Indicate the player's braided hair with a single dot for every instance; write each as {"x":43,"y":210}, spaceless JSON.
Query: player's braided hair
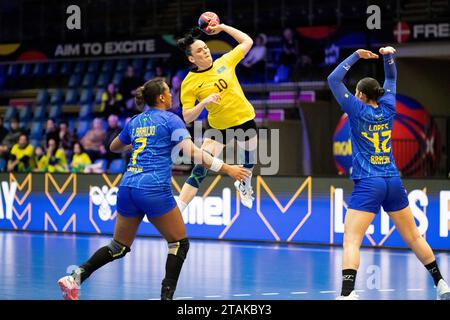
{"x":370,"y":87}
{"x":148,"y":93}
{"x":189,"y":38}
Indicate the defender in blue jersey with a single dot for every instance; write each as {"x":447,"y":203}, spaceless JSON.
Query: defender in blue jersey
{"x":371,"y":113}
{"x":145,"y":188}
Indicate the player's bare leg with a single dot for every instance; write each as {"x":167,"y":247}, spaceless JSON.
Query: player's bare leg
{"x":247,"y":153}
{"x":356,"y":225}
{"x":406,"y":226}
{"x":125,"y":231}
{"x":172,"y":228}
{"x":190,"y":187}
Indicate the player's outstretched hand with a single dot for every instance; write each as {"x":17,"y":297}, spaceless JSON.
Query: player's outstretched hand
{"x":366,"y":54}
{"x":387,"y":50}
{"x":239,"y":173}
{"x":215,"y":29}
{"x":212,"y":98}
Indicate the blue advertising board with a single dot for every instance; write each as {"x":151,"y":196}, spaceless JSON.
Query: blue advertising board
{"x":286,"y":209}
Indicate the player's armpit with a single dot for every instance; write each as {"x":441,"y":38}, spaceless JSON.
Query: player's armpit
{"x":118,"y":147}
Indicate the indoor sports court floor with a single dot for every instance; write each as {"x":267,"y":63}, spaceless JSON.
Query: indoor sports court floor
{"x":31,"y":263}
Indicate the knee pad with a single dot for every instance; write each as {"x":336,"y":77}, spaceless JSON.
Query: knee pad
{"x":179,"y":248}
{"x":117,"y":250}
{"x":197,"y":175}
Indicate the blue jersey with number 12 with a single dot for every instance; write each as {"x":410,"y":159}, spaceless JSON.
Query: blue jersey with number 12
{"x":152,"y":134}
{"x":370,"y":127}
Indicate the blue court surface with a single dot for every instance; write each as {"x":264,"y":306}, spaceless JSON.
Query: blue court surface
{"x":31,"y":264}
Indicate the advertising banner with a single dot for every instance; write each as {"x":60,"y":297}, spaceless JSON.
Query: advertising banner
{"x":286,"y":209}
{"x":73,"y":50}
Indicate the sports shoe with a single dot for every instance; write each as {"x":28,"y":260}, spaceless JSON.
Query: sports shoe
{"x":167,"y":292}
{"x":69,"y":287}
{"x":443,"y":291}
{"x":245,"y":192}
{"x":351,"y":296}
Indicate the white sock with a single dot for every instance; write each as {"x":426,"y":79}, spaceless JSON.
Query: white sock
{"x":181,"y":205}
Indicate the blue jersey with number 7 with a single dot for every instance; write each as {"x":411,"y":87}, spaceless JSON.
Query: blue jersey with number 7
{"x":370,"y":127}
{"x":152,"y":134}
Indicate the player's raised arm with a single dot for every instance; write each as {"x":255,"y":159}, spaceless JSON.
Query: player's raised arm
{"x":390,"y":70}
{"x":244,"y":39}
{"x":335,"y":79}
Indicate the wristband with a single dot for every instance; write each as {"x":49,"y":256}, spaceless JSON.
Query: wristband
{"x":216,"y":165}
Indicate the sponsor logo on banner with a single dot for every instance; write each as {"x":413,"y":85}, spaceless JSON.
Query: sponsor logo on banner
{"x":210,"y":211}
{"x":213,"y":210}
{"x":104,"y":198}
{"x":418,"y":202}
{"x":404,"y":32}
{"x":8,"y":192}
{"x":105,"y":48}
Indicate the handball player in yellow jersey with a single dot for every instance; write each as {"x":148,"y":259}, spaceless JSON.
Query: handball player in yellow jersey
{"x":214,"y":85}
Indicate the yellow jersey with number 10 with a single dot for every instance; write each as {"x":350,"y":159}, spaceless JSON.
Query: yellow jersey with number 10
{"x":234,"y":108}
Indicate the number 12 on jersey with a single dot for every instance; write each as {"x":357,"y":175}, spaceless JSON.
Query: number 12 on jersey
{"x":375,"y":139}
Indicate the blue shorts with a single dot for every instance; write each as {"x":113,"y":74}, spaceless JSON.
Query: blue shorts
{"x":370,"y":194}
{"x":134,"y":202}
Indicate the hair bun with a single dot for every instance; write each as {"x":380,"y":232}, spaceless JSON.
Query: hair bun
{"x":139,"y":98}
{"x":381,"y":91}
{"x":181,"y":43}
{"x":196,"y":32}
{"x":188,"y":39}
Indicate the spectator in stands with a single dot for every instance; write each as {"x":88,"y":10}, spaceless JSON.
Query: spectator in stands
{"x":40,"y":159}
{"x":21,"y":157}
{"x":112,"y":131}
{"x":10,"y":139}
{"x":254,"y":64}
{"x":93,"y":140}
{"x":80,"y":159}
{"x":51,"y":131}
{"x":128,"y":85}
{"x":289,"y":55}
{"x":161,"y":73}
{"x":175,"y":91}
{"x":3,"y":130}
{"x":56,"y":157}
{"x":127,"y":154}
{"x":112,"y":102}
{"x":66,"y":137}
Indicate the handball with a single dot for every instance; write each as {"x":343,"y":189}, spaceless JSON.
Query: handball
{"x":207,"y":20}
